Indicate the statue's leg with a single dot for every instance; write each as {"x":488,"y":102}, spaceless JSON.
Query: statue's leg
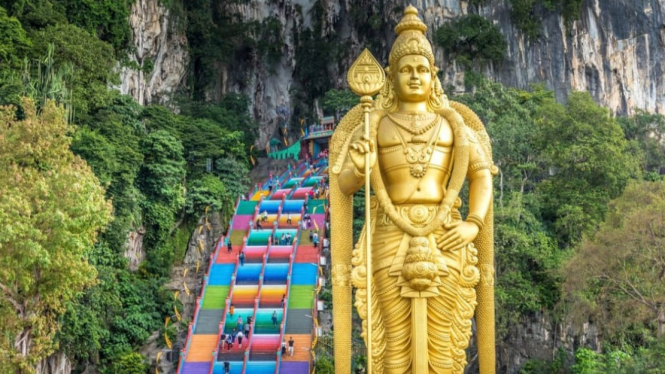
{"x":449,"y":319}
{"x":396,"y":312}
{"x":440,"y":311}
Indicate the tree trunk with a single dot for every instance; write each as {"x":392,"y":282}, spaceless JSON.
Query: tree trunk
{"x":661,"y":321}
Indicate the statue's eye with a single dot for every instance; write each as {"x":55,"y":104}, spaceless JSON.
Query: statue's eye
{"x":424,"y":70}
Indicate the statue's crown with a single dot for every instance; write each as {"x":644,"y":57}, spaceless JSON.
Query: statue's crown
{"x":411,"y":38}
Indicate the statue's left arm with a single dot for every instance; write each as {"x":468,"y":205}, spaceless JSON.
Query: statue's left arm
{"x":480,"y":182}
{"x":480,"y":198}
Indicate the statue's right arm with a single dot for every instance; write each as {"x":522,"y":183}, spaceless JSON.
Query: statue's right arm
{"x":352,"y":176}
{"x":350,"y":180}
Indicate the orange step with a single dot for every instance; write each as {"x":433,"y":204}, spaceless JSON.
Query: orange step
{"x":201,"y":347}
{"x":301,"y":347}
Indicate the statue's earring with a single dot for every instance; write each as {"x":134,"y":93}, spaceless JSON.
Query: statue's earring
{"x":438,"y":99}
{"x":387,"y":91}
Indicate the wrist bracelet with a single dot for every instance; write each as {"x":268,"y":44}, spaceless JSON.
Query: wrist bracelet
{"x":476,"y":220}
{"x":357,"y":173}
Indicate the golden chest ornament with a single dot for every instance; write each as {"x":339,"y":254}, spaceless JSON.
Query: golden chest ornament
{"x":418,"y":152}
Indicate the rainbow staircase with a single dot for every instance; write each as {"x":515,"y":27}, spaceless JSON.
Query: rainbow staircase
{"x":273,"y":270}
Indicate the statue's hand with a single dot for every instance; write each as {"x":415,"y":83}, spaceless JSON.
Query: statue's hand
{"x":357,"y":152}
{"x":461,"y":234}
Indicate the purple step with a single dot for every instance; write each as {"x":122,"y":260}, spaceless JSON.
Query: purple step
{"x":294,"y":367}
{"x":196,"y":368}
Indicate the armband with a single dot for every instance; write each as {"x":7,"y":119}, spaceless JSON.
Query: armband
{"x":357,"y":173}
{"x":476,"y":220}
{"x":480,"y":165}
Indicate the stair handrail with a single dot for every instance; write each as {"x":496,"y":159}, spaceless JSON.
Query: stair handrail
{"x":199,"y":302}
{"x":183,"y":352}
{"x":250,"y":342}
{"x":282,"y":330}
{"x":220,"y":328}
{"x":278,"y":360}
{"x":244,"y":362}
{"x":215,"y":351}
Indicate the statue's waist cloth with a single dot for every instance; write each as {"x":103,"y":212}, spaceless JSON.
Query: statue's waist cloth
{"x":450,"y":301}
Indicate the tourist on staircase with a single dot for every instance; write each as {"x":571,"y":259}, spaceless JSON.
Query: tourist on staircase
{"x":229,"y":342}
{"x":291,"y":342}
{"x":240,"y":336}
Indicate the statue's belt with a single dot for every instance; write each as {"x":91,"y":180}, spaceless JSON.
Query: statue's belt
{"x":418,"y":215}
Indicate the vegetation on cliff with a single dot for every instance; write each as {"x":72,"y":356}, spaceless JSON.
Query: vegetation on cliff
{"x":567,"y":225}
{"x":150,"y":162}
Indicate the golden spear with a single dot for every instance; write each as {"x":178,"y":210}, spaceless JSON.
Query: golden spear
{"x":366,"y":78}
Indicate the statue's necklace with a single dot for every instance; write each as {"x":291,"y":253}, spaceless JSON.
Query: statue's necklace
{"x":419,"y":153}
{"x":414,"y":124}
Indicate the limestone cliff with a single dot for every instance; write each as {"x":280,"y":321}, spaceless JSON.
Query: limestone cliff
{"x":614,"y":50}
{"x":158,"y":61}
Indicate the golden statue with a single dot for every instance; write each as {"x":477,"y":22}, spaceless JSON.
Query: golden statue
{"x":431,"y":270}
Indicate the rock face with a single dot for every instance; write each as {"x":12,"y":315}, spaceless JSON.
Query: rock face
{"x":57,"y":363}
{"x":159,"y":58}
{"x":614,"y":50}
{"x":134,"y":252}
{"x":536,"y":337}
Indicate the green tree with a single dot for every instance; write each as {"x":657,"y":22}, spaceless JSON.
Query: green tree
{"x":161,"y":180}
{"x":92,"y":62}
{"x":215,"y":33}
{"x":313,"y":53}
{"x":339,"y":102}
{"x":616,"y":277}
{"x":204,"y":192}
{"x":472,"y":38}
{"x":35,"y":14}
{"x":107,"y":19}
{"x":50,"y":211}
{"x":588,"y":162}
{"x":235,"y":178}
{"x":648,"y":130}
{"x":14,"y":44}
{"x":508,"y":115}
{"x":231,"y":113}
{"x":129,"y":363}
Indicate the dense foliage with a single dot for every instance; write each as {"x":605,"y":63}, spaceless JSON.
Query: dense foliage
{"x":526,"y":14}
{"x":564,"y":217}
{"x":51,"y":208}
{"x":616,"y":277}
{"x":471,"y":39}
{"x":560,"y":167}
{"x":150,"y":161}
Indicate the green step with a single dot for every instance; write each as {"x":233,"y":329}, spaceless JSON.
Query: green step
{"x":301,"y":297}
{"x":215,"y":296}
{"x":319,"y":204}
{"x":246,"y":207}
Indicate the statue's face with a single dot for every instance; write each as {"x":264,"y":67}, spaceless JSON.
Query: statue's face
{"x":413,"y":78}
